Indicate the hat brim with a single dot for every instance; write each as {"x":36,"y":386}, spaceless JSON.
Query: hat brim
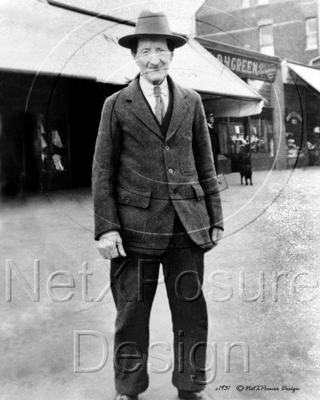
{"x":127,"y":41}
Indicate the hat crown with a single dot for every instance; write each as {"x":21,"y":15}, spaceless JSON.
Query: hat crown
{"x":152,"y":24}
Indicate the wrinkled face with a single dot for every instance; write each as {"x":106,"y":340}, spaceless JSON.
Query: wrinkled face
{"x":153,"y":58}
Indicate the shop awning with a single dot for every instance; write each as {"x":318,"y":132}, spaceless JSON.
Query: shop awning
{"x":309,"y":75}
{"x":40,"y":38}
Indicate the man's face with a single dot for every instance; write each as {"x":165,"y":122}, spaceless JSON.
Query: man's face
{"x":153,"y":58}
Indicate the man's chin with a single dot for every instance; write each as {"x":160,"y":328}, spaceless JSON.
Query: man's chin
{"x":155,"y":77}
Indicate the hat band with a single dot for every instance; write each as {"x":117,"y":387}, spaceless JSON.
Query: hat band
{"x":154,"y":29}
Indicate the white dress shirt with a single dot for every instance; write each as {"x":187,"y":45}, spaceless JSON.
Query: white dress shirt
{"x":147,"y":90}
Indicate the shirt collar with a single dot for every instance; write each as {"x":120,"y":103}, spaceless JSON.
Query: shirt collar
{"x":147,"y":87}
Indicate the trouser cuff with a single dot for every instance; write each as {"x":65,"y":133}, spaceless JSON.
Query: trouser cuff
{"x":131,"y":388}
{"x":194,"y":383}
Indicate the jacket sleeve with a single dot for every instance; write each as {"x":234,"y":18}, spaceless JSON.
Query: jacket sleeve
{"x":104,"y":171}
{"x":205,"y":166}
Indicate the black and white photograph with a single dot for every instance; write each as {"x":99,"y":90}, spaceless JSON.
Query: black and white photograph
{"x":160,"y":199}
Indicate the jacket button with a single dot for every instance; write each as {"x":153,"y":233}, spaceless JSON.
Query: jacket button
{"x":167,"y":147}
{"x":189,"y":137}
{"x":127,"y":200}
{"x":170,"y":170}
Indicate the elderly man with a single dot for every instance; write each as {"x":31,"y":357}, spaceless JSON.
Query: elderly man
{"x":156,"y":202}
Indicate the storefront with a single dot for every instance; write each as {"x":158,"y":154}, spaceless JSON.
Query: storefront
{"x":56,"y":79}
{"x":257,"y":135}
{"x":302,"y":95}
{"x":34,"y":136}
{"x":48,"y":128}
{"x":53,"y":85}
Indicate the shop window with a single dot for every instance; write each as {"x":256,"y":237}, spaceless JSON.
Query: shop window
{"x":54,"y":155}
{"x":313,"y":120}
{"x":238,"y":140}
{"x":237,"y":137}
{"x":312,"y":33}
{"x":261,"y":133}
{"x":52,"y":147}
{"x":266,"y":40}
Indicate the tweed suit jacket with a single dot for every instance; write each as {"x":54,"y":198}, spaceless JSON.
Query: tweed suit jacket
{"x":141,"y":179}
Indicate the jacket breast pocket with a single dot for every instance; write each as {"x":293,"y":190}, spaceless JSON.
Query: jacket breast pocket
{"x":132,"y":206}
{"x":187,"y":163}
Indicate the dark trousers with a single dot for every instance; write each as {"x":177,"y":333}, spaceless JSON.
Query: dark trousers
{"x":134,"y":284}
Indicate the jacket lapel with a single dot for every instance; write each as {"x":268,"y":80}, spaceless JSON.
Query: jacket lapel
{"x":180,"y":106}
{"x":142,"y":111}
{"x":140,"y":107}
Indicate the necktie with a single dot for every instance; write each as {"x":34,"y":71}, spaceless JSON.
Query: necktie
{"x":159,"y":110}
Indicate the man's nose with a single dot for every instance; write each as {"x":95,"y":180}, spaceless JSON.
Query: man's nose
{"x":154,"y":59}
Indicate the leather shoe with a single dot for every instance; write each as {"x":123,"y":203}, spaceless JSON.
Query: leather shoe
{"x":125,"y":397}
{"x":184,"y":395}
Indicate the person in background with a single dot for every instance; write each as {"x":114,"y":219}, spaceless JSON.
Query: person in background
{"x":214,"y":137}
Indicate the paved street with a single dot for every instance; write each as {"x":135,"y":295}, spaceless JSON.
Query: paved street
{"x":261,"y":284}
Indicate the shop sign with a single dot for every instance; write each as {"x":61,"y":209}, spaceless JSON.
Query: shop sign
{"x":247,"y":66}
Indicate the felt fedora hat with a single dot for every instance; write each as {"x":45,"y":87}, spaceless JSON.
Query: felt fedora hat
{"x":152,"y":24}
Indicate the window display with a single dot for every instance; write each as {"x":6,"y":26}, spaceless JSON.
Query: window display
{"x":261,"y":132}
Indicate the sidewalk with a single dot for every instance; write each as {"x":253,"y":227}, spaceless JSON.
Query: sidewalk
{"x":272,"y":228}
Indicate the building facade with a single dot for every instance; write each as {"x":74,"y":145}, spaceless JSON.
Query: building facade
{"x":287,"y":29}
{"x":259,"y":136}
{"x":277,"y":28}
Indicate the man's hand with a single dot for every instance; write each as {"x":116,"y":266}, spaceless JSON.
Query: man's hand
{"x":216,"y":235}
{"x":110,"y":245}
